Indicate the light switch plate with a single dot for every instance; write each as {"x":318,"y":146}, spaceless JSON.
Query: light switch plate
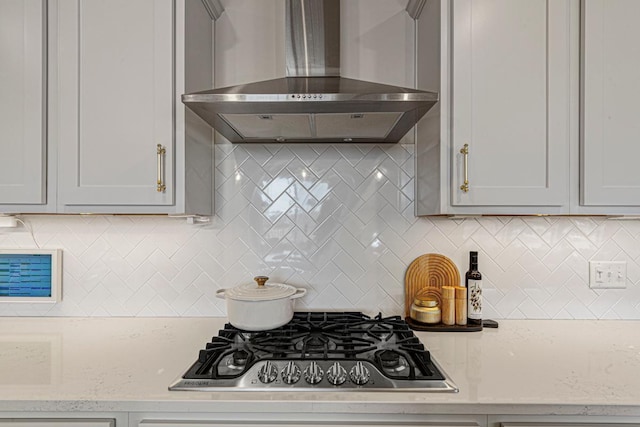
{"x":607,"y":274}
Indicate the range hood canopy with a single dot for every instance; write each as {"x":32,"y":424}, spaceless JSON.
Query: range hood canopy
{"x":313,"y":103}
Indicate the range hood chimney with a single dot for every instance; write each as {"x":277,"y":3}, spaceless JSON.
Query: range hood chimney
{"x":313,"y":103}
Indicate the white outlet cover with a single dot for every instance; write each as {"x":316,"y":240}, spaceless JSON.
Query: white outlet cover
{"x":607,"y":274}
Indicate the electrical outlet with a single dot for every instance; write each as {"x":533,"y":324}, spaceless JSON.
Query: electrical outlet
{"x":607,"y":274}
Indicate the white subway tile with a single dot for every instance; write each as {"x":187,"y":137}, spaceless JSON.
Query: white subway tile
{"x":338,"y":219}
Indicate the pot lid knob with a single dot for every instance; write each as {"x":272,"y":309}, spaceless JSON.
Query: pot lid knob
{"x":261,"y":280}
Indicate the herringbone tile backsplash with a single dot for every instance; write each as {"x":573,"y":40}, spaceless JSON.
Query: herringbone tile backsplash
{"x":337,"y":220}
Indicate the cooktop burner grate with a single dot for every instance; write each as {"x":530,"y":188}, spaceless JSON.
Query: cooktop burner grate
{"x":380,"y":352}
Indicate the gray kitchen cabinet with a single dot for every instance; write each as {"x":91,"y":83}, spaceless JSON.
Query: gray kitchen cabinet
{"x":91,"y":115}
{"x":23,"y":146}
{"x":249,"y":419}
{"x":34,"y":422}
{"x":510,"y":92}
{"x":499,"y":142}
{"x":125,"y":142}
{"x":115,"y":99}
{"x":63,"y":419}
{"x":548,"y":110}
{"x":561,"y":421}
{"x":303,"y":424}
{"x":561,"y":424}
{"x":610,"y":92}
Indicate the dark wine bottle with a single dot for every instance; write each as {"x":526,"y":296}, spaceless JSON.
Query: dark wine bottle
{"x":473,"y":282}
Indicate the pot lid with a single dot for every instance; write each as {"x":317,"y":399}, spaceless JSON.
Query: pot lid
{"x":423,"y":301}
{"x":260,"y":291}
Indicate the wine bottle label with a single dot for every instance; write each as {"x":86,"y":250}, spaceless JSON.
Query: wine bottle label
{"x":474,"y":298}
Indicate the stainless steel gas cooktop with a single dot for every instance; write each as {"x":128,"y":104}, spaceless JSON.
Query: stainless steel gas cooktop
{"x":318,"y":351}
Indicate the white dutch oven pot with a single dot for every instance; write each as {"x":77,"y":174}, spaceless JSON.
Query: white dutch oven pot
{"x":261,"y":306}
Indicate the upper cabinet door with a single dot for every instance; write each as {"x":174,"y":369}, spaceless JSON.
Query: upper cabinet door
{"x":22,"y":102}
{"x":511,"y":102}
{"x":115,"y":102}
{"x":610,"y":103}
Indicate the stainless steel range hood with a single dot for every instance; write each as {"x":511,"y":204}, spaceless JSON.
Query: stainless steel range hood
{"x":313,"y":103}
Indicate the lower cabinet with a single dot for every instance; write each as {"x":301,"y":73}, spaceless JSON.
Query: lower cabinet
{"x":561,"y":421}
{"x":560,"y":424}
{"x":241,"y":419}
{"x":338,"y":424}
{"x":63,"y":419}
{"x":303,"y":420}
{"x":35,"y":422}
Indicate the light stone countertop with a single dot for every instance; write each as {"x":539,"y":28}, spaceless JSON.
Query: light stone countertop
{"x":126,"y":364}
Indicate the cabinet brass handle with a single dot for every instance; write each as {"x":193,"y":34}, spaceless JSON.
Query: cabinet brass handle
{"x":465,"y":151}
{"x":161,"y":151}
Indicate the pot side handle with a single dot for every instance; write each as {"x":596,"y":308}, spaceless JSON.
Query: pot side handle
{"x":300,"y":292}
{"x":220,"y":293}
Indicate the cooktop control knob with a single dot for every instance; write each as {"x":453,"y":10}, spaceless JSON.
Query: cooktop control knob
{"x":291,"y":373}
{"x":336,"y":374}
{"x":313,"y":373}
{"x":268,"y":373}
{"x":359,"y":374}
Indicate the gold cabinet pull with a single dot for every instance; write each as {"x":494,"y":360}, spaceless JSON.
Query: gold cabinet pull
{"x":161,"y":151}
{"x":465,"y":151}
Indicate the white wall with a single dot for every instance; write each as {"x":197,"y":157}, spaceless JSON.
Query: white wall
{"x":338,"y":220}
